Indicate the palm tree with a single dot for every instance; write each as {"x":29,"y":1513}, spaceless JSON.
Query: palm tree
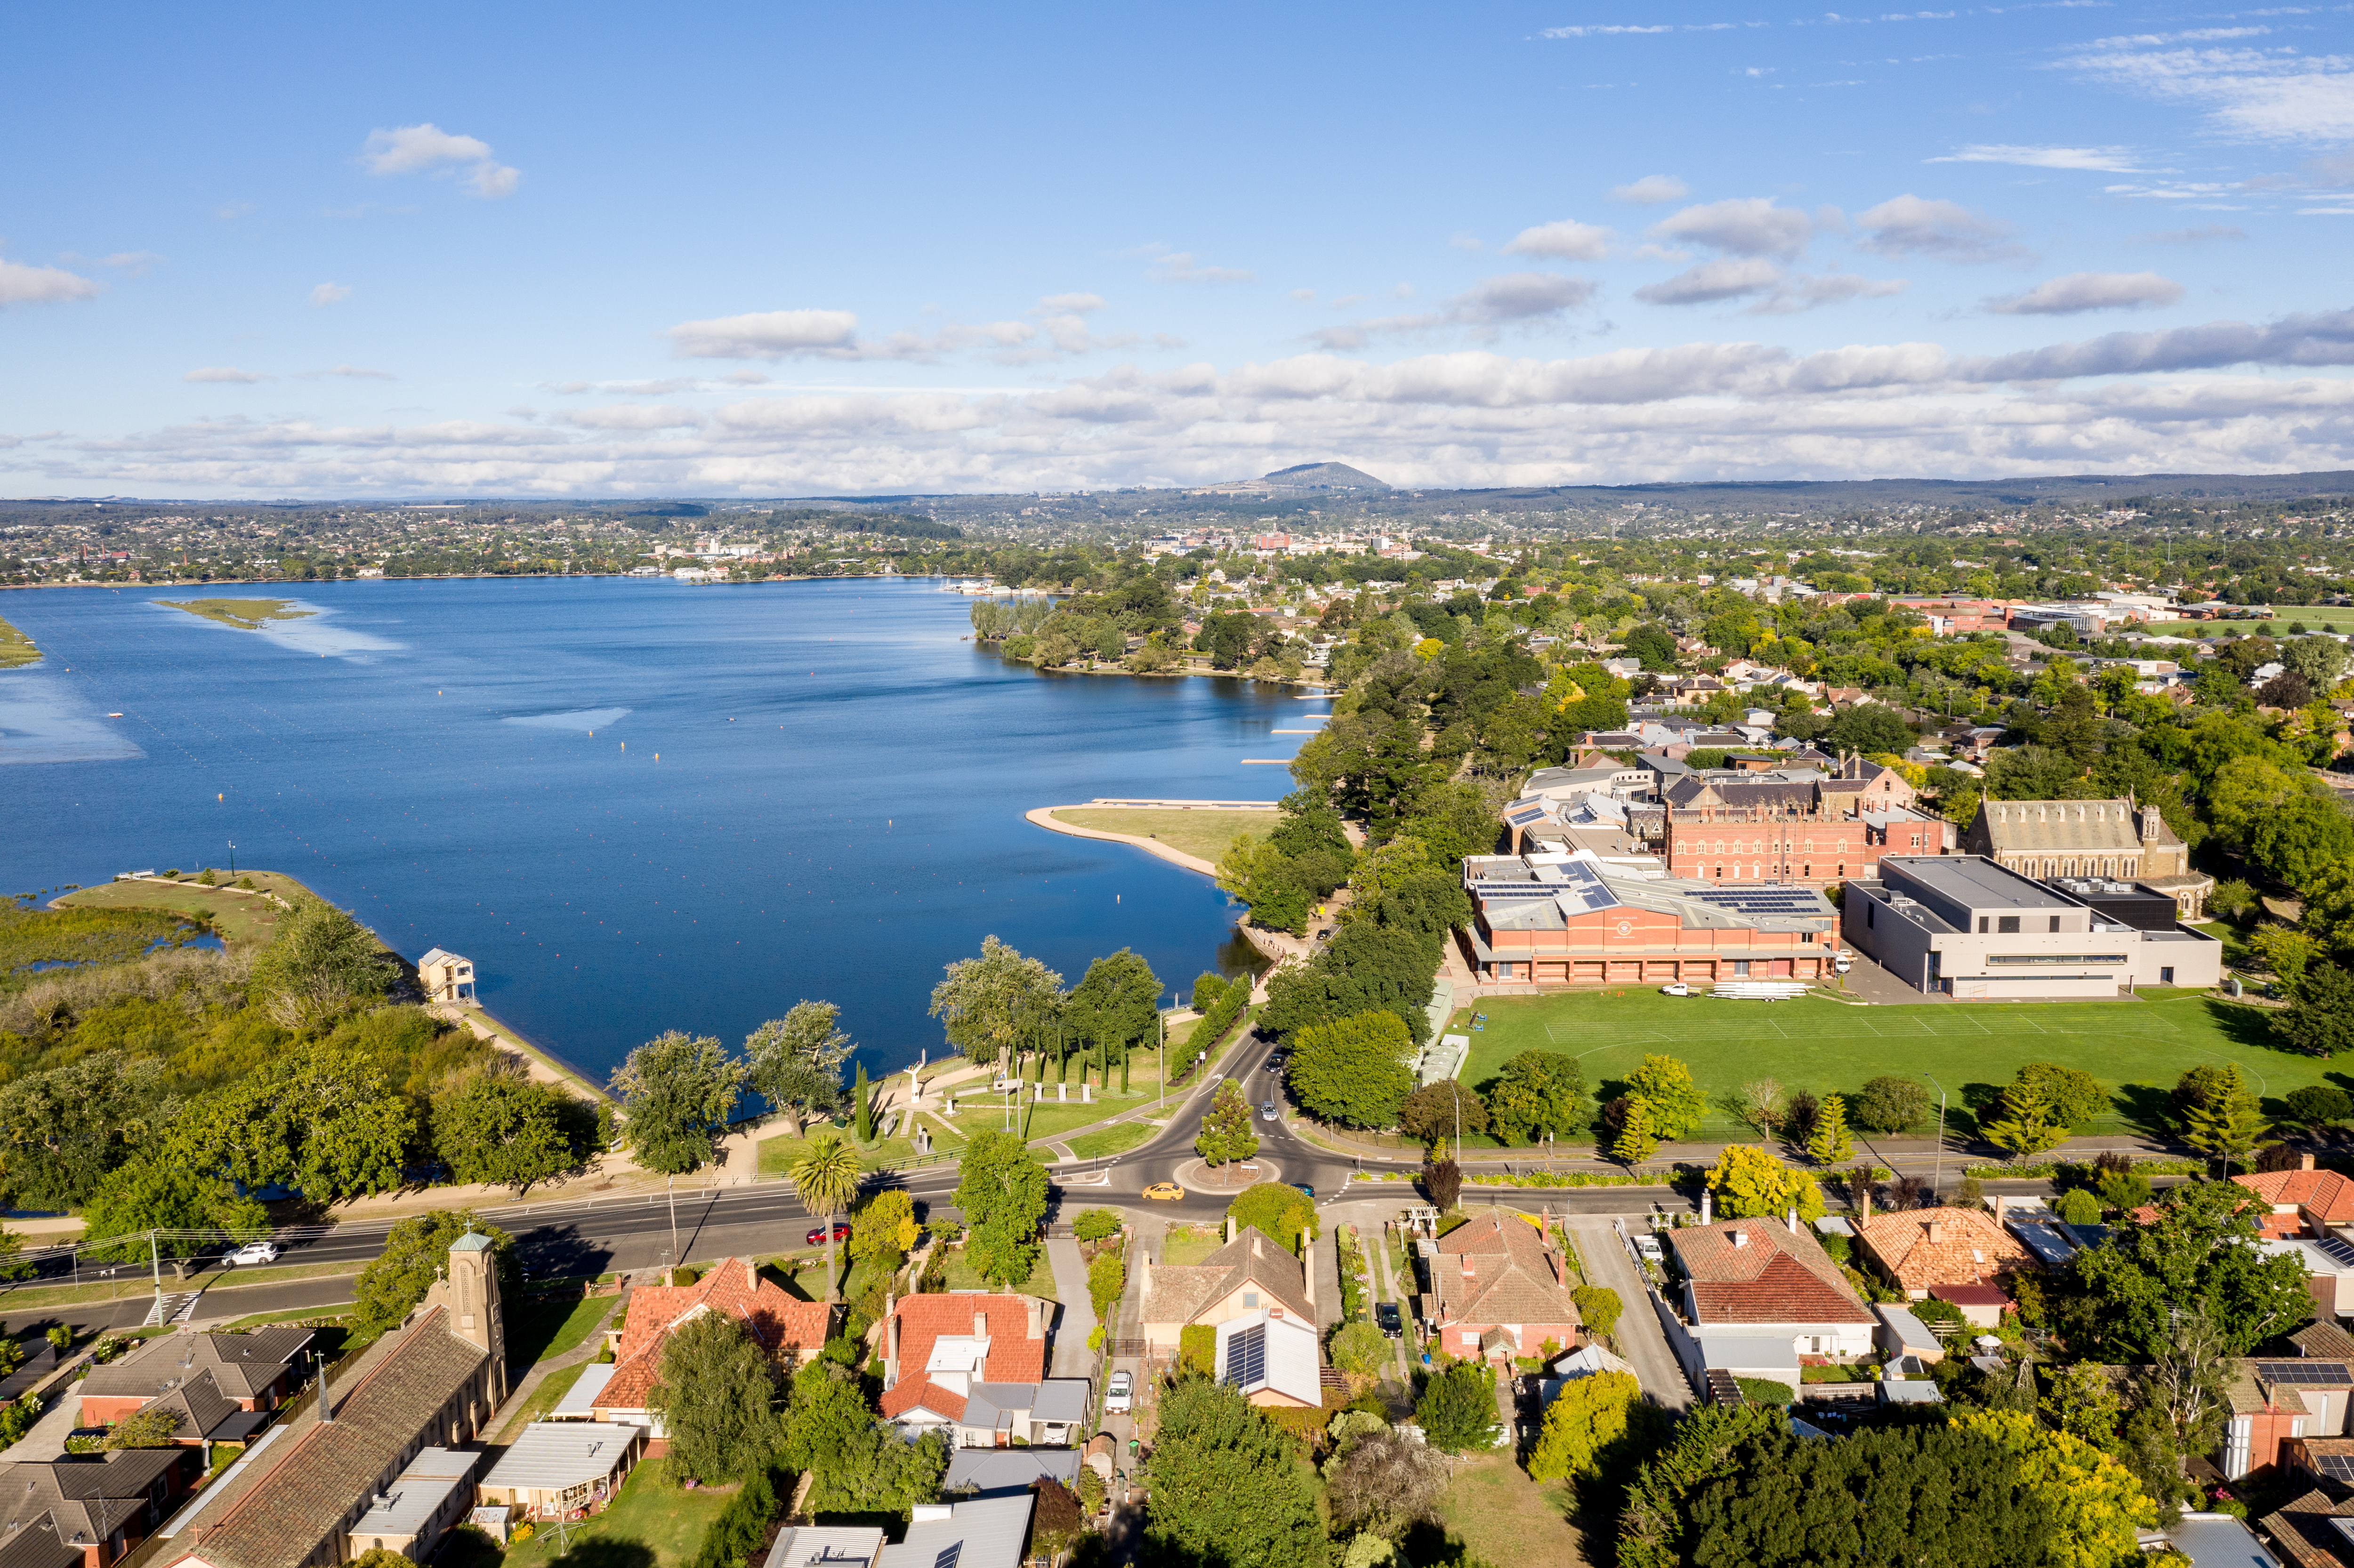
{"x":826,"y":1176}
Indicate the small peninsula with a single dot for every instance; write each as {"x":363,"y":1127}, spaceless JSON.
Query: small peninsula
{"x":245,"y":614}
{"x":15,"y":647}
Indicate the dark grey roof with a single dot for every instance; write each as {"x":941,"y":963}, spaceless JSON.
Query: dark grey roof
{"x":242,"y":1365}
{"x":1005,"y":1472}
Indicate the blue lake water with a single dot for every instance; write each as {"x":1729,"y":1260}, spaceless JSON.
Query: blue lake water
{"x":635,"y":805}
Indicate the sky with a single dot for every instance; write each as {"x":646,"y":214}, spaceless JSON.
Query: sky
{"x":532,"y":251}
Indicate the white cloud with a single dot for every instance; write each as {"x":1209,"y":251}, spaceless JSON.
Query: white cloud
{"x":1513,"y":298}
{"x":767,"y":335}
{"x":1749,"y":226}
{"x":1182,"y":267}
{"x":22,"y":285}
{"x":2198,"y":234}
{"x":330,"y":294}
{"x":2278,"y":94}
{"x":357,"y":373}
{"x":1910,"y":226}
{"x":2080,"y":292}
{"x":1808,"y":291}
{"x":1076,"y":304}
{"x":428,"y":149}
{"x":2106,"y":160}
{"x":1651,"y":190}
{"x":229,"y":373}
{"x":1566,"y":240}
{"x":1711,"y":282}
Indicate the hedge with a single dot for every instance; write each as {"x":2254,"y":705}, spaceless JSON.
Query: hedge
{"x":741,"y":1526}
{"x":1766,"y":1391}
{"x":1213,"y":1025}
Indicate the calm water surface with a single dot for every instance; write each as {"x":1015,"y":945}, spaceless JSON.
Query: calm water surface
{"x":635,"y":805}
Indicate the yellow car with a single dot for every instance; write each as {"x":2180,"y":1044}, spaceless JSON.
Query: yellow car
{"x":1164,"y":1191}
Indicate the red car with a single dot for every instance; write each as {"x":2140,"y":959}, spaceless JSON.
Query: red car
{"x":841,"y":1233}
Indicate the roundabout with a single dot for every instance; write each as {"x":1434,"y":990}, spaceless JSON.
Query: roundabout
{"x":1224,"y":1181}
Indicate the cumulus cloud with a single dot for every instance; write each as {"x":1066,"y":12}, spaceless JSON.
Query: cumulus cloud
{"x":229,"y":373}
{"x":768,"y":334}
{"x":24,"y":285}
{"x":1566,"y":240}
{"x":1808,"y":291}
{"x":1749,"y":226}
{"x":2080,"y":292}
{"x":1651,"y":190}
{"x":2317,"y":338}
{"x":1513,"y":298}
{"x":330,"y":294}
{"x":1056,"y":328}
{"x":2104,"y":160}
{"x":1711,"y":282}
{"x":1910,"y":226}
{"x":1183,"y":267}
{"x":428,"y":149}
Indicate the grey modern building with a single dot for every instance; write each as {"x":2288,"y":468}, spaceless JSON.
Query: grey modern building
{"x":1963,"y":927}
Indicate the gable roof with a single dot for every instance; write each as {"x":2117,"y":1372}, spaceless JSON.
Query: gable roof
{"x":241,"y":1365}
{"x":2302,"y":1531}
{"x":1970,"y":1248}
{"x":1774,"y":1275}
{"x":196,"y":1408}
{"x":777,"y":1322}
{"x":75,"y":1500}
{"x":1015,"y":1356}
{"x":1514,"y":1278}
{"x":2324,"y":1195}
{"x":1181,"y":1292}
{"x":2065,"y":826}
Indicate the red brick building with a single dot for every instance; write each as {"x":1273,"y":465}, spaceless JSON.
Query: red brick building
{"x":1806,"y":828}
{"x":785,"y":1326}
{"x":1500,"y":1289}
{"x":1554,"y":921}
{"x":227,"y":1371}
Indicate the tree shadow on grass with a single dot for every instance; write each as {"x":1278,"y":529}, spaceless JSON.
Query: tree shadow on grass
{"x":2245,"y":1025}
{"x":2146,"y":1108}
{"x":605,"y":1552}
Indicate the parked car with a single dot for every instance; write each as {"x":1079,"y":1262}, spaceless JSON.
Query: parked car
{"x":1676,"y":988}
{"x":1164,"y":1191}
{"x":1266,"y":1110}
{"x":252,"y":1252}
{"x":841,"y":1233}
{"x":1385,"y":1314}
{"x":1647,"y":1245}
{"x":1119,"y":1394}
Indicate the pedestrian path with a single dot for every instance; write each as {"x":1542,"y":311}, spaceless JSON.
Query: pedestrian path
{"x":177,"y":1307}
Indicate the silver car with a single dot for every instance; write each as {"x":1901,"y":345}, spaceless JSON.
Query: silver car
{"x":1266,"y":1111}
{"x":1119,"y":1394}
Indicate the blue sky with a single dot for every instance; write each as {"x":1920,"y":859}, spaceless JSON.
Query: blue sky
{"x":777,"y":250}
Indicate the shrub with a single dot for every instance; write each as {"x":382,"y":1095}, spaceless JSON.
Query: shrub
{"x":1891,"y":1104}
{"x":1598,"y":1307}
{"x":1359,"y":1348}
{"x":1107,"y":1279}
{"x":1197,"y":1349}
{"x":1933,"y":1310}
{"x":2078,"y":1207}
{"x":1766,"y":1391}
{"x":1096,"y":1224}
{"x":1458,"y":1408}
{"x":1588,"y":1415}
{"x":741,"y":1526}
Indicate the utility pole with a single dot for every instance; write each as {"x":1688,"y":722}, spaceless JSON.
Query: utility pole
{"x":670,"y":1186}
{"x":155,"y":1262}
{"x":1937,"y":1182}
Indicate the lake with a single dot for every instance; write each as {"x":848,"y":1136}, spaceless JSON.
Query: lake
{"x":636,"y":805}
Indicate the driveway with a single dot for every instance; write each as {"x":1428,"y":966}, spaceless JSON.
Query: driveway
{"x":1642,"y":1343}
{"x":1078,"y":1318}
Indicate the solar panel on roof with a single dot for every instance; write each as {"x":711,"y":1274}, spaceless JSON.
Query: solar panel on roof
{"x":2337,"y":1250}
{"x":2306,"y":1373}
{"x":2336,"y":1466}
{"x":1246,"y":1357}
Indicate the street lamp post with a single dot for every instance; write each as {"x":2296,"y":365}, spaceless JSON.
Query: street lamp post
{"x":1937,"y":1182}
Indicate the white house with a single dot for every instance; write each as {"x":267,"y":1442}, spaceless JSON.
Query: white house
{"x":1758,"y":1295}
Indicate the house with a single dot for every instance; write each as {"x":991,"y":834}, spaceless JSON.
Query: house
{"x":826,"y":1546}
{"x":555,"y":1466}
{"x":1793,"y":822}
{"x":1922,"y":1250}
{"x":2304,"y":1201}
{"x":979,"y":1533}
{"x":1565,"y":919}
{"x":1008,"y":1472}
{"x":1251,"y":1273}
{"x":2312,"y":1531}
{"x":446,"y":977}
{"x":1271,"y":1360}
{"x":86,"y":1510}
{"x":785,"y":1326}
{"x":251,"y":1371}
{"x":2111,"y":839}
{"x":969,"y":1363}
{"x":411,"y":1516}
{"x":2328,"y":1267}
{"x":431,"y":1382}
{"x":1500,"y":1289}
{"x":1963,"y":926}
{"x":1757,"y":1295}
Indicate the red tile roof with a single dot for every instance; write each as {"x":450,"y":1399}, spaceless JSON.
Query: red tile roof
{"x":1774,"y":1275}
{"x":1970,"y":1248}
{"x":1013,"y":1355}
{"x":2323,"y":1196}
{"x":1513,"y":1280}
{"x":781,"y":1322}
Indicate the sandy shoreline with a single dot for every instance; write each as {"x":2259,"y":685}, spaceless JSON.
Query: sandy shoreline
{"x":1043,"y":816}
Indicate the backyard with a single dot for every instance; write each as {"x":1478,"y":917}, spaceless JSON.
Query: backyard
{"x":1501,"y":1516}
{"x":653,"y":1524}
{"x":2136,"y":1049}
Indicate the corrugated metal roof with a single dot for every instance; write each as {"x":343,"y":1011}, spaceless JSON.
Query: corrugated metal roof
{"x":551,"y":1455}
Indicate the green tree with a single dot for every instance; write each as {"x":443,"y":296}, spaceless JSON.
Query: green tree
{"x":1097,"y":1224}
{"x":715,"y":1392}
{"x":1585,"y":1418}
{"x":320,"y":1118}
{"x":153,"y":1192}
{"x":2319,"y":1017}
{"x":1598,"y":1307}
{"x":417,"y":1253}
{"x":1117,"y":1006}
{"x":1284,"y":1213}
{"x":1655,"y":1527}
{"x":1636,"y":1141}
{"x":62,"y":1130}
{"x":794,"y":1063}
{"x":996,"y":1003}
{"x":1354,"y":1070}
{"x":1002,"y":1196}
{"x":1367,"y":966}
{"x":1830,"y":1143}
{"x":1456,"y":1409}
{"x":1381,"y":1484}
{"x":885,"y":1227}
{"x":825,"y":1173}
{"x":321,"y":962}
{"x":1226,"y":1133}
{"x":1258,"y":873}
{"x":1539,"y":1094}
{"x":678,"y":1092}
{"x":2026,"y":1128}
{"x":1750,"y":1184}
{"x":499,"y":1130}
{"x":2094,"y":1504}
{"x":1867,"y":727}
{"x":1359,"y":1349}
{"x":2118,"y":1301}
{"x":2071,"y":1098}
{"x":1889,"y":1104}
{"x":1676,"y":1107}
{"x":1107,"y":1279}
{"x":2218,"y":1112}
{"x":1442,"y":1109}
{"x":143,"y":1429}
{"x":2082,"y":1402}
{"x":1228,"y":1486}
{"x":2318,"y":1106}
{"x":2287,"y":951}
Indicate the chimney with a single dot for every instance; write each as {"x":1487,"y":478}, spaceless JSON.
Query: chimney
{"x":1866,"y":1188}
{"x":2305,"y":1162}
{"x":1936,"y":1231}
{"x":1230,"y":1227}
{"x":890,"y":1340}
{"x":1707,"y":1204}
{"x":1791,"y":1219}
{"x":326,"y":1407}
{"x":1470,"y":1270}
{"x":1739,"y":1238}
{"x":980,"y":1325}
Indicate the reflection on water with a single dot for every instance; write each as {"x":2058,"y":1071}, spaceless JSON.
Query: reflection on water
{"x":44,"y":720}
{"x":586,"y":720}
{"x":317,"y":632}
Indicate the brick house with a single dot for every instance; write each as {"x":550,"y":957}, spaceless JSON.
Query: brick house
{"x":87,"y":1510}
{"x":2304,"y":1201}
{"x":1759,"y":1294}
{"x":965,"y":1362}
{"x":785,"y":1326}
{"x":1928,"y":1251}
{"x":1500,"y":1288}
{"x":1251,"y":1273}
{"x":216,"y":1372}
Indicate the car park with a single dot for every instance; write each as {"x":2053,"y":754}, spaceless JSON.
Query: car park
{"x":1164,"y":1191}
{"x":816,"y":1237}
{"x":252,"y":1252}
{"x":1119,"y":1394}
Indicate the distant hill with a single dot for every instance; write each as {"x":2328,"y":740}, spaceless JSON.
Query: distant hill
{"x":1322,"y":476}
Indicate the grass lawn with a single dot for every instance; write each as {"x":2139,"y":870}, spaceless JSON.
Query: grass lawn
{"x":960,"y":1276}
{"x":2136,"y":1049}
{"x":244,"y":921}
{"x":245,"y":614}
{"x":653,"y":1514}
{"x":1500,"y":1515}
{"x":1111,"y":1140}
{"x":778,"y":1153}
{"x":552,"y":1388}
{"x":15,"y":647}
{"x":1190,"y":1244}
{"x":1205,"y":835}
{"x":552,"y":1324}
